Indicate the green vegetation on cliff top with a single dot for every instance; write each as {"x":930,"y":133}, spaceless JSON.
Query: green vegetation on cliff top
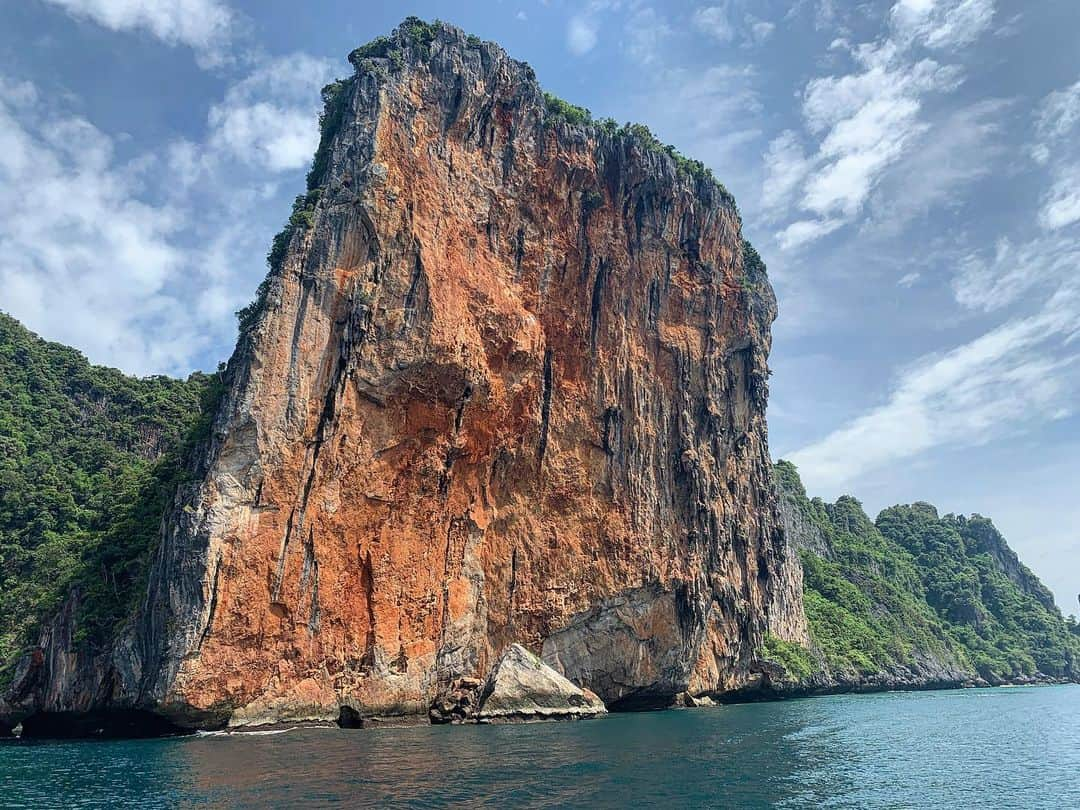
{"x":915,"y":587}
{"x":417,"y":35}
{"x":88,"y":460}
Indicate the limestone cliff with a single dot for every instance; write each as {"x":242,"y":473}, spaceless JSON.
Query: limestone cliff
{"x":506,"y":383}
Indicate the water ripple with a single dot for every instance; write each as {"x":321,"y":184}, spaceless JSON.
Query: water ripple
{"x":1017,"y":748}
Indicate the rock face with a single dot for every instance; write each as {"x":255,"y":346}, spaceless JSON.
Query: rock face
{"x":508,"y":384}
{"x":522,"y":687}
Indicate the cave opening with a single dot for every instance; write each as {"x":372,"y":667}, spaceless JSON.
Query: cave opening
{"x":104,"y":725}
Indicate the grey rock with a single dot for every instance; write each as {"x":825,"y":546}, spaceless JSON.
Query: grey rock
{"x":522,"y":687}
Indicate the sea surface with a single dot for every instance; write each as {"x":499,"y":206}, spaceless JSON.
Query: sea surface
{"x":1001,"y":748}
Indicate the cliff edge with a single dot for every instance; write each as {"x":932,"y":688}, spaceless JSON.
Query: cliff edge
{"x":505,"y":383}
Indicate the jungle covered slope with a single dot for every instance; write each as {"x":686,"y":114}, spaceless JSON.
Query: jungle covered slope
{"x":913,"y":600}
{"x":88,"y":456}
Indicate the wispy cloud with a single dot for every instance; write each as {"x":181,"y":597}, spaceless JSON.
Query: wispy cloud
{"x":268,"y":118}
{"x":1013,"y":377}
{"x":962,"y":147}
{"x":991,"y":281}
{"x":761,"y":30}
{"x":1057,"y":129}
{"x":1061,"y":203}
{"x":731,"y":20}
{"x":583,"y":28}
{"x":1009,"y":379}
{"x":715,"y":21}
{"x":786,"y":167}
{"x":206,"y":26}
{"x":806,"y":230}
{"x":85,"y":260}
{"x":866,"y":120}
{"x":646,"y":31}
{"x":1058,"y":116}
{"x":942,"y":23}
{"x":581,"y":34}
{"x":141,"y":261}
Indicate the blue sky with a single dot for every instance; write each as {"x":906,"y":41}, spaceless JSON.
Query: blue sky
{"x":909,"y":170}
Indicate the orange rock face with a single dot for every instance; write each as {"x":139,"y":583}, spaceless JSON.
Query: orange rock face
{"x":509,"y":386}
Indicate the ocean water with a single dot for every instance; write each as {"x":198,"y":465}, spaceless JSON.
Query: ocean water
{"x":1000,"y":748}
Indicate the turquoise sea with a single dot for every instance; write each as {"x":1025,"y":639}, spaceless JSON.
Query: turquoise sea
{"x":1000,"y":748}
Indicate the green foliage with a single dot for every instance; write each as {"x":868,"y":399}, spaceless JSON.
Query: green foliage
{"x":301,"y":219}
{"x":420,"y":34}
{"x":794,"y":658}
{"x":913,"y":586}
{"x":754,"y":267}
{"x":592,"y":200}
{"x":334,"y":96}
{"x":564,"y":111}
{"x":995,"y":607}
{"x":864,"y":600}
{"x":788,"y":480}
{"x":608,"y":126}
{"x":378,"y":48}
{"x":413,"y":32}
{"x":560,"y":111}
{"x":684,"y":165}
{"x":87,"y":461}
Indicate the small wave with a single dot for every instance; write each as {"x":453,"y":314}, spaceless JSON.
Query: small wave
{"x":246,"y":733}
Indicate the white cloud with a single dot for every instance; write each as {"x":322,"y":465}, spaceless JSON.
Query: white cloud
{"x":206,"y":26}
{"x":726,"y":89}
{"x":942,"y":23}
{"x":1061,"y":203}
{"x":786,"y":166}
{"x":761,"y":30}
{"x":270,"y":118}
{"x":825,"y":14}
{"x":959,"y":149}
{"x":1010,"y":379}
{"x":1056,"y":125}
{"x":581,"y":34}
{"x":807,"y":230}
{"x":724,"y":102}
{"x":992,"y":282}
{"x":83,"y":259}
{"x":1007,"y":380}
{"x":866,"y":120}
{"x":725,"y":21}
{"x":1059,"y":113}
{"x":140,"y":262}
{"x":262,"y":133}
{"x":645,"y":33}
{"x":908,"y":280}
{"x":715,"y":21}
{"x":855,"y":153}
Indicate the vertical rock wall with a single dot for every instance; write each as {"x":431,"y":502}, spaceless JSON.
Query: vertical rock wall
{"x":509,"y":386}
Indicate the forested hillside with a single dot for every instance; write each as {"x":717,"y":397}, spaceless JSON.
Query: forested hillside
{"x":915,"y":600}
{"x":88,"y":457}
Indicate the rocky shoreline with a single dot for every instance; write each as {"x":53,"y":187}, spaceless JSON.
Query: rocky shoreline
{"x":521,"y":689}
{"x":822,"y":686}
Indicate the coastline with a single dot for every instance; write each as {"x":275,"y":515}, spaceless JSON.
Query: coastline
{"x":756,"y":694}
